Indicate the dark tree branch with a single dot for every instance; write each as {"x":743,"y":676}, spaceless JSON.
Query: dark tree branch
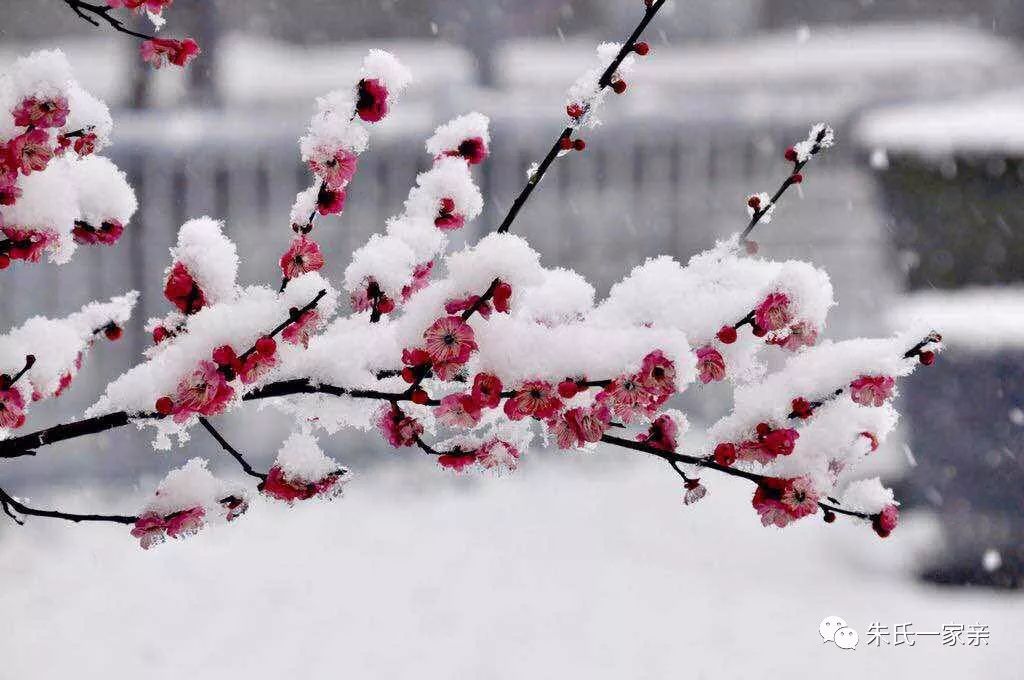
{"x":103,"y":12}
{"x":675,"y":459}
{"x":603,"y":82}
{"x":248,"y":469}
{"x":10,"y":503}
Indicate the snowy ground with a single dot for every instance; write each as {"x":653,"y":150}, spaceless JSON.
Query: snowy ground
{"x":570,"y":569}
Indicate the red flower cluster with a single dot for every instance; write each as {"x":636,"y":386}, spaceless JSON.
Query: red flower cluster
{"x":25,"y":244}
{"x":870,"y":390}
{"x":183,"y":290}
{"x":643,"y":393}
{"x":278,"y":485}
{"x":152,"y":529}
{"x":781,"y":501}
{"x":767,"y":445}
{"x":107,"y":234}
{"x":299,"y":331}
{"x":335,"y":167}
{"x":398,"y":429}
{"x":250,"y":369}
{"x":372,"y":100}
{"x":162,"y":51}
{"x":579,"y":426}
{"x":205,"y":391}
{"x":447,"y":219}
{"x":12,"y":408}
{"x":473,"y":150}
{"x":494,"y":454}
{"x":662,"y":434}
{"x":465,"y":410}
{"x":448,"y":344}
{"x":710,"y":365}
{"x":42,"y":113}
{"x":501,"y":298}
{"x":152,"y":6}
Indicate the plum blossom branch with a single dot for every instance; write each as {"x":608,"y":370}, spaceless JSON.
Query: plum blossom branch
{"x":102,"y":12}
{"x":560,"y":143}
{"x":803,"y":408}
{"x":800,"y":154}
{"x":708,"y":463}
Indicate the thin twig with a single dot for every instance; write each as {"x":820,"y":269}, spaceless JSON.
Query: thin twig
{"x":677,"y":458}
{"x":9,"y":502}
{"x":84,"y":9}
{"x":763,"y":210}
{"x":248,"y":469}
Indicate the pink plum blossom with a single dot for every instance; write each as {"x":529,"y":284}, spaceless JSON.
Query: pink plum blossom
{"x":872,"y":390}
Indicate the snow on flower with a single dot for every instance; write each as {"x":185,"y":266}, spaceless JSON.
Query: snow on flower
{"x":585,"y":97}
{"x":184,"y":502}
{"x":467,"y":137}
{"x":335,"y":167}
{"x":302,"y":471}
{"x":820,"y":137}
{"x":664,"y":432}
{"x":205,"y":391}
{"x":773,"y":313}
{"x":498,"y":455}
{"x":383,"y":78}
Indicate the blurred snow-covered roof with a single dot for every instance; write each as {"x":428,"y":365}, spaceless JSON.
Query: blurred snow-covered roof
{"x":978,"y":318}
{"x":875,"y":53}
{"x":829,"y":71}
{"x":975,"y":124}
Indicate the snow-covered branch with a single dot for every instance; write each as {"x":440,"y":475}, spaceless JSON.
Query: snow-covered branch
{"x":471,"y":357}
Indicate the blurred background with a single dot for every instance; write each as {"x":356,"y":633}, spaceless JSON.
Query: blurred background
{"x":916,"y":212}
